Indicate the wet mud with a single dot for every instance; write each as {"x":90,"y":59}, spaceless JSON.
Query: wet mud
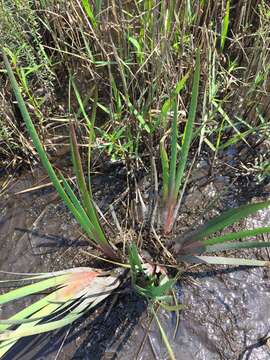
{"x":226,"y":313}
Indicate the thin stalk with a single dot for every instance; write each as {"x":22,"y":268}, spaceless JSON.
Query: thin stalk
{"x":176,"y":174}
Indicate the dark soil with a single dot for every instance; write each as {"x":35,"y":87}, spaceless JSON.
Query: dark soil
{"x":227,"y":310}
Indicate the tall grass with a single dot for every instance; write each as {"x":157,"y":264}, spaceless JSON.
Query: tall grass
{"x":138,"y":52}
{"x":135,"y":60}
{"x":84,"y":211}
{"x":172,"y":172}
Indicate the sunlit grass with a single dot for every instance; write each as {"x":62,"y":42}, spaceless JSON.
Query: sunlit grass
{"x":173,"y":169}
{"x":82,"y":209}
{"x":141,"y":57}
{"x":191,"y":247}
{"x":72,"y":293}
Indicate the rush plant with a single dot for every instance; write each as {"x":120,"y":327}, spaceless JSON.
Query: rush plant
{"x":191,"y":247}
{"x":203,"y":240}
{"x":73,"y":292}
{"x":173,"y":169}
{"x":82,"y":208}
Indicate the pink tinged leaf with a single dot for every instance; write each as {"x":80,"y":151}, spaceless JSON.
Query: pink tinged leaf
{"x":89,"y":285}
{"x":169,"y":217}
{"x":75,"y":284}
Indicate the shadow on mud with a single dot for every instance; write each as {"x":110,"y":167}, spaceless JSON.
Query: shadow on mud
{"x":93,"y":337}
{"x":53,"y":241}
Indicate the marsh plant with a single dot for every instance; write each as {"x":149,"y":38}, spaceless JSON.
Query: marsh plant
{"x":71,"y":293}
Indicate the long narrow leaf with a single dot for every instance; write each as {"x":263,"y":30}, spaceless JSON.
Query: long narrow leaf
{"x":88,"y":205}
{"x":42,"y":154}
{"x":219,"y":260}
{"x":91,"y":138}
{"x":89,"y":12}
{"x":31,"y":289}
{"x":237,"y":235}
{"x":238,"y":245}
{"x":164,"y":338}
{"x":189,"y":125}
{"x":81,"y":105}
{"x":84,"y":220}
{"x":173,"y":157}
{"x":168,"y":103}
{"x":137,"y":46}
{"x":86,"y":200}
{"x":165,"y":170}
{"x":225,"y":25}
{"x":38,"y":329}
{"x":7,"y":342}
{"x":220,"y":222}
{"x":78,"y":290}
{"x":34,"y":136}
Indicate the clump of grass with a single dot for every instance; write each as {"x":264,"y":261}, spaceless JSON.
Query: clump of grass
{"x":84,"y":210}
{"x":136,"y":54}
{"x":77,"y":290}
{"x":198,"y":242}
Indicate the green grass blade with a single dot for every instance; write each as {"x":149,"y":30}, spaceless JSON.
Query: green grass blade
{"x":238,"y":245}
{"x":225,"y":25}
{"x":81,"y":105}
{"x":158,"y":291}
{"x":77,"y":164}
{"x":87,"y":202}
{"x":237,"y":235}
{"x":91,"y":138}
{"x":138,"y":116}
{"x":90,"y":297}
{"x":60,"y":304}
{"x":89,"y":12}
{"x":41,"y":152}
{"x":171,"y":308}
{"x":173,"y":157}
{"x":137,"y":46}
{"x":165,"y":170}
{"x":219,"y":260}
{"x":28,"y":311}
{"x":134,"y":261}
{"x":226,"y":118}
{"x":39,"y":329}
{"x":85,"y":196}
{"x":82,"y":217}
{"x":28,"y":329}
{"x":73,"y":197}
{"x":189,"y":125}
{"x":176,"y":173}
{"x":227,"y":218}
{"x":216,"y":243}
{"x":164,"y":337}
{"x":32,"y":131}
{"x":7,"y":343}
{"x":168,"y":103}
{"x":32,"y":288}
{"x":21,"y":321}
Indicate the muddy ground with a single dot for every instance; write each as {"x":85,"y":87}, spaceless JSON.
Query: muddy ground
{"x":227,"y":310}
